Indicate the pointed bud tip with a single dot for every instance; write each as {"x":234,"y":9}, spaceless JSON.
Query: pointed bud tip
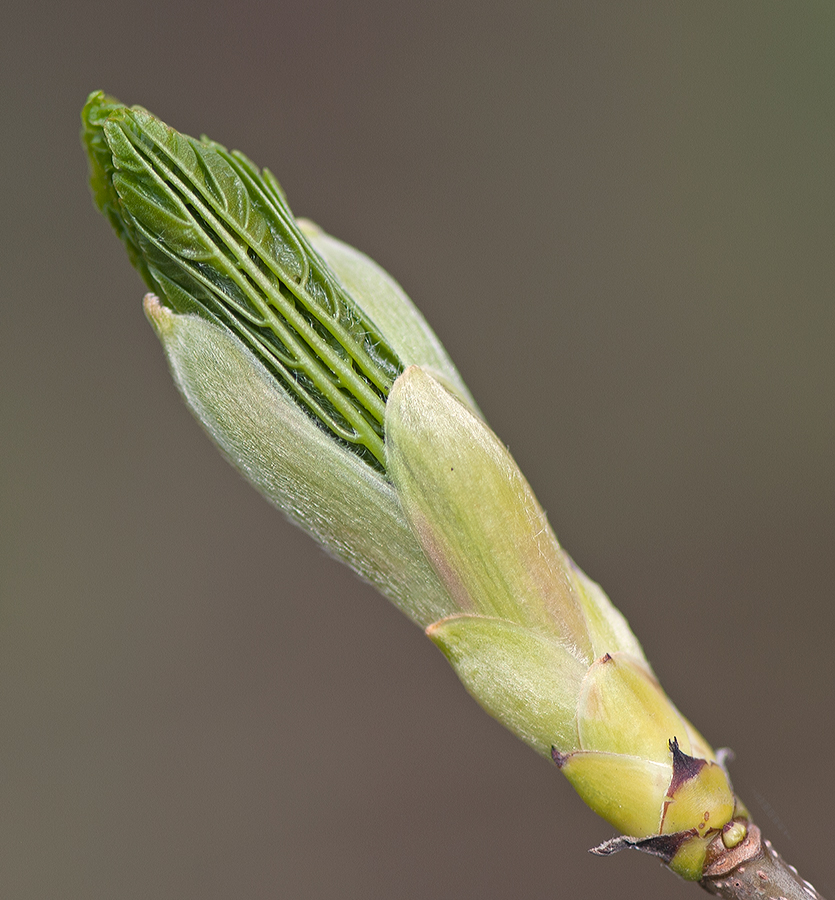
{"x":158,"y":315}
{"x":309,"y":228}
{"x":410,"y":377}
{"x":685,"y":767}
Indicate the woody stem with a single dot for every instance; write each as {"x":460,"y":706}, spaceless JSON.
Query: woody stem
{"x":756,"y":871}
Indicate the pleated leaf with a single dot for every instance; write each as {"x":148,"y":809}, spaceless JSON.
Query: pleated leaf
{"x":211,"y":234}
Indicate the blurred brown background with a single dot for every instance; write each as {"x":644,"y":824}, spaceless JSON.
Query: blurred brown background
{"x":619,"y":217}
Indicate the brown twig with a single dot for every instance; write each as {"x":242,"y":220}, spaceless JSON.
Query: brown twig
{"x":755,"y":871}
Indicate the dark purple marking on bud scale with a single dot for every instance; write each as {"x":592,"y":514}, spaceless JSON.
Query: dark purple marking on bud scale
{"x":559,"y":758}
{"x":684,"y":767}
{"x":664,"y":846}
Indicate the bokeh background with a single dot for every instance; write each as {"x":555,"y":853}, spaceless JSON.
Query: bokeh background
{"x":619,"y":217}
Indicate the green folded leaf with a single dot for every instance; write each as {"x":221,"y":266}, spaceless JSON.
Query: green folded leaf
{"x":384,"y":301}
{"x":213,"y":235}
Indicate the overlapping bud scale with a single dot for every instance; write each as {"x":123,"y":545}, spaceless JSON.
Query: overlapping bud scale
{"x":537,"y":643}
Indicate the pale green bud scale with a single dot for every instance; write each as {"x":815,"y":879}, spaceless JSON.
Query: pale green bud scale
{"x":627,"y":791}
{"x":704,"y":802}
{"x":322,"y":486}
{"x":475,"y":515}
{"x":527,"y":650}
{"x":521,"y":677}
{"x":622,"y":709}
{"x":608,"y":629}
